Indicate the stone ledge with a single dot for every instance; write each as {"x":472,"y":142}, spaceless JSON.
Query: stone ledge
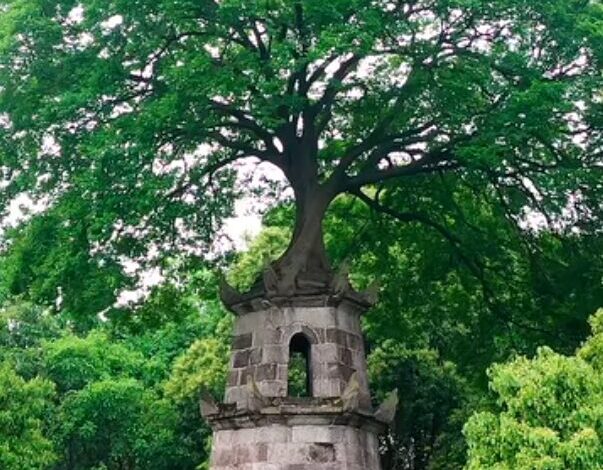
{"x":257,"y":301}
{"x":295,"y":412}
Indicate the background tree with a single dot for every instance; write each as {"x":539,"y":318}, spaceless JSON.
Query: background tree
{"x":102,"y":399}
{"x":548,"y":412}
{"x":138,"y":109}
{"x":25,"y":439}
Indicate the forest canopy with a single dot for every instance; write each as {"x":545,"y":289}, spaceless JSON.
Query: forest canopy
{"x":446,"y":152}
{"x":138,"y":109}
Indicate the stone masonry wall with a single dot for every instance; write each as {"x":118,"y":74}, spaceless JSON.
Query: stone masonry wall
{"x":260,"y":348}
{"x":304,"y":447}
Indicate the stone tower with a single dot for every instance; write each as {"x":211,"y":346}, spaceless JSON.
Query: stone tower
{"x":260,"y":425}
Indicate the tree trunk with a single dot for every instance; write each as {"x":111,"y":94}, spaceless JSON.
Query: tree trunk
{"x":305,"y":264}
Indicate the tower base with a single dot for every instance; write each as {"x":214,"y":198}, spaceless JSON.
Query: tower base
{"x":315,"y":435}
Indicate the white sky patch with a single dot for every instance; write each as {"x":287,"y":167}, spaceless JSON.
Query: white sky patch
{"x":111,"y":23}
{"x":5,"y":121}
{"x":21,"y":209}
{"x":75,"y":15}
{"x":50,"y":146}
{"x":237,"y":231}
{"x":151,"y":278}
{"x":245,"y":225}
{"x":104,"y":53}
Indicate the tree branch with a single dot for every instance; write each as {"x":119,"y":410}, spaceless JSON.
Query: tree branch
{"x":475,"y":266}
{"x":435,"y":161}
{"x":246,"y":122}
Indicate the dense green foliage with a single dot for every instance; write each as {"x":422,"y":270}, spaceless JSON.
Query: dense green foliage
{"x":106,"y":399}
{"x":23,"y":436}
{"x":440,"y":130}
{"x":548,"y":414}
{"x":433,"y":336}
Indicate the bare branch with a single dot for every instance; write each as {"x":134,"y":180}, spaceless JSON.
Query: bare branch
{"x":435,"y":161}
{"x":325,"y":103}
{"x":246,"y":122}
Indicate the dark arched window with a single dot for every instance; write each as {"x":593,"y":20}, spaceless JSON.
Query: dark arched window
{"x":299,"y":377}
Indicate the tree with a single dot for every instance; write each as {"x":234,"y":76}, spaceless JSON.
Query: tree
{"x":24,"y":434}
{"x":141,"y":108}
{"x":51,"y":262}
{"x":72,"y":362}
{"x":119,"y":368}
{"x":118,"y":424}
{"x":548,"y":411}
{"x":431,"y":411}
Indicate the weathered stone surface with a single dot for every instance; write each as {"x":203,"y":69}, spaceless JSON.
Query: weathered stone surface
{"x":242,"y":341}
{"x":241,"y":358}
{"x":335,"y":337}
{"x":265,"y":372}
{"x":287,"y":433}
{"x":307,"y":447}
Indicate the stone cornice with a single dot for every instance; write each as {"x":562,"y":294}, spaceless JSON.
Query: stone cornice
{"x":295,"y":412}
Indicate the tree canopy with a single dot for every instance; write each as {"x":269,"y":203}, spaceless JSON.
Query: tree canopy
{"x":138,"y":109}
{"x":548,"y":412}
{"x":455,"y":143}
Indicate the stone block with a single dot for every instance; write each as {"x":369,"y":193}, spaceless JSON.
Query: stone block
{"x":323,"y":353}
{"x":271,"y":434}
{"x":326,"y":388}
{"x":345,"y":356}
{"x":273,"y":388}
{"x":248,"y":323}
{"x":340,"y":371}
{"x":337,"y":336}
{"x":255,"y":356}
{"x":316,"y":317}
{"x":243,"y":341}
{"x":236,"y":395}
{"x":286,"y":452}
{"x":275,"y":354}
{"x":233,"y":378}
{"x":241,"y":358}
{"x":317,"y":434}
{"x":243,"y":454}
{"x":321,"y":334}
{"x":321,"y":452}
{"x":248,"y":371}
{"x":282,"y":372}
{"x":271,"y":335}
{"x":354,"y":341}
{"x":348,"y":321}
{"x":265,"y":372}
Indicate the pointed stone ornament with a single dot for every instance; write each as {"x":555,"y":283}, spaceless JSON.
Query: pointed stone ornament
{"x":271,"y":280}
{"x":350,"y":398}
{"x":387,"y":410}
{"x":371,"y":293}
{"x":207,"y":405}
{"x":228,"y":294}
{"x":341,"y":283}
{"x":255,"y":400}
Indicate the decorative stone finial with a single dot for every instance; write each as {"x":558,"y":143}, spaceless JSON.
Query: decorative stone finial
{"x":307,"y":289}
{"x":387,"y":410}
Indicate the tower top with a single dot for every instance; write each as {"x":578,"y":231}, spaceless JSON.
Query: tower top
{"x":310,"y":291}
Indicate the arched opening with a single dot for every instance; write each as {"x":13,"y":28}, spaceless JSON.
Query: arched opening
{"x":299,"y":380}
